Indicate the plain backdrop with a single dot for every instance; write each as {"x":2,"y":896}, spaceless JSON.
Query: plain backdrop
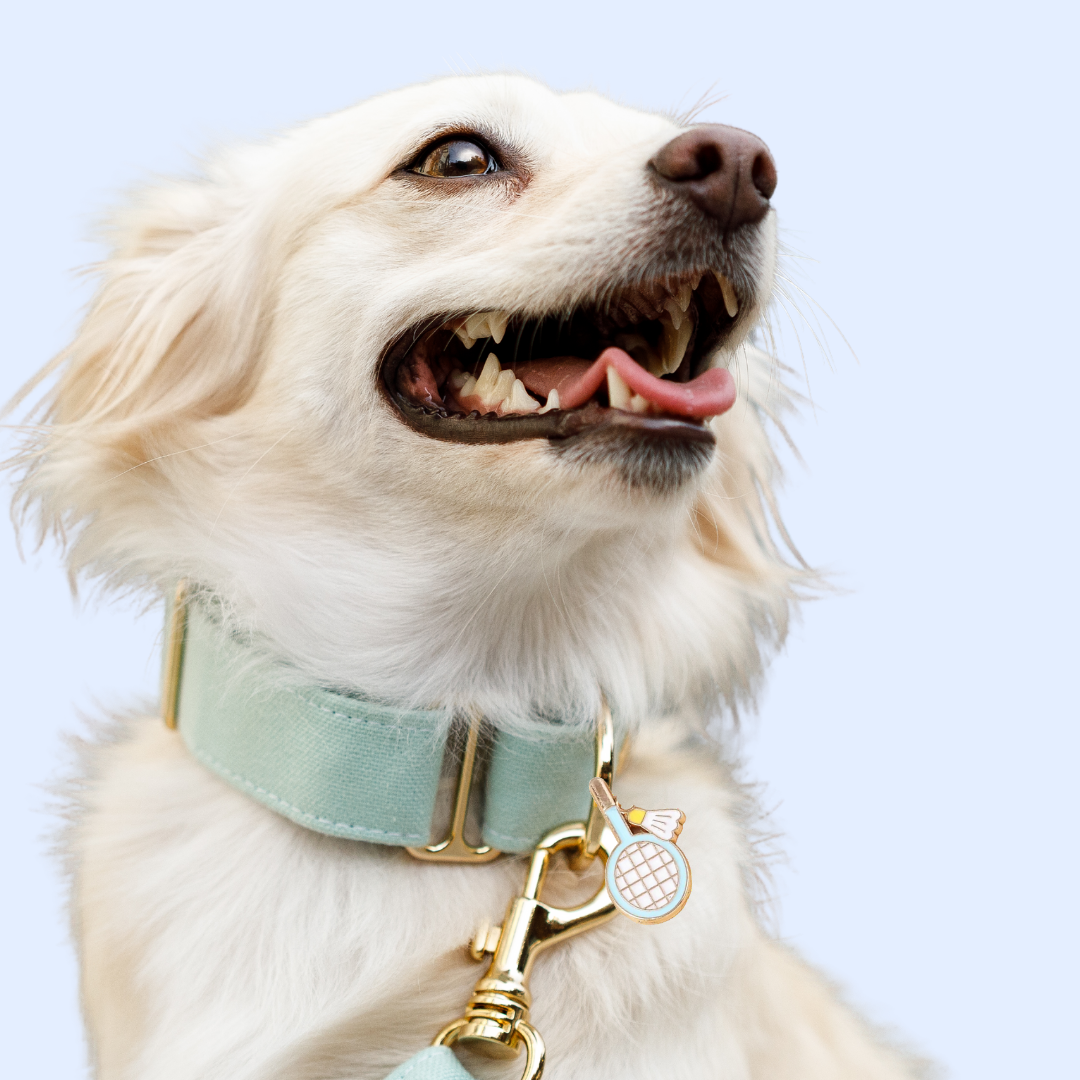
{"x":917,"y":739}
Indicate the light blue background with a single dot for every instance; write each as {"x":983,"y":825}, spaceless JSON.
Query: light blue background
{"x":918,"y":737}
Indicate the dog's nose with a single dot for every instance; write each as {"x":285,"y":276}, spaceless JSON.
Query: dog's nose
{"x":724,"y":171}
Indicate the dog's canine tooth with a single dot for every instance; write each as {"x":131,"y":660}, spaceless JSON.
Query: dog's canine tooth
{"x":731,"y":301}
{"x":674,"y":342}
{"x":639,"y":404}
{"x":464,"y":337}
{"x":684,"y":296}
{"x":552,"y":402}
{"x":618,"y":392}
{"x":519,"y":400}
{"x":497,"y":321}
{"x":675,"y":313}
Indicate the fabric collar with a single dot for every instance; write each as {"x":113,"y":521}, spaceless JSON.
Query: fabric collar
{"x":353,"y":768}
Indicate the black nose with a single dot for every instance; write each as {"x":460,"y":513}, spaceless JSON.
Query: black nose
{"x":724,"y":171}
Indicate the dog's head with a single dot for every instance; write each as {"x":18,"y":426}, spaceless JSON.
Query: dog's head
{"x":449,"y":393}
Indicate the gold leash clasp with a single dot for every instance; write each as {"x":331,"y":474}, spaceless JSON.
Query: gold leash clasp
{"x":496,"y":1021}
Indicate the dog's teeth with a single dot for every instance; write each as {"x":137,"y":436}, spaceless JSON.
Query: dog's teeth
{"x":696,"y":282}
{"x":476,"y":326}
{"x":497,"y":321}
{"x":468,"y":387}
{"x":503,"y":387}
{"x":675,"y":313}
{"x":552,"y":402}
{"x":673,"y":344}
{"x":617,"y":390}
{"x":457,"y":379}
{"x":641,"y":351}
{"x":684,"y":296}
{"x":489,"y":379}
{"x":487,"y":324}
{"x":466,"y":340}
{"x":731,"y":301}
{"x":519,"y":400}
{"x":639,"y":404}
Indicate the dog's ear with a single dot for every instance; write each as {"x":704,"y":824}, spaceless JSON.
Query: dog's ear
{"x":173,"y":330}
{"x":171,"y":342}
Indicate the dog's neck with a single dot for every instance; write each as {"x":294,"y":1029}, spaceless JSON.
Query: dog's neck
{"x":533,"y":624}
{"x":517,"y":621}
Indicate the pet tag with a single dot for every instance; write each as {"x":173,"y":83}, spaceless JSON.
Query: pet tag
{"x":648,"y":877}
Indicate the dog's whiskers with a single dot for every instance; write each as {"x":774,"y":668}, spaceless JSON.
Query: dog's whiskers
{"x":247,"y":471}
{"x":175,"y":453}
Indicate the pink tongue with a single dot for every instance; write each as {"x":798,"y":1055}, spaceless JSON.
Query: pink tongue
{"x":710,"y":394}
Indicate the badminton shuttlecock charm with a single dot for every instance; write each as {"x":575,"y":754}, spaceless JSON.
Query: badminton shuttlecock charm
{"x":647,"y":877}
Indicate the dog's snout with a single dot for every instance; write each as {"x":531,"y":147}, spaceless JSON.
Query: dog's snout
{"x":726,"y":172}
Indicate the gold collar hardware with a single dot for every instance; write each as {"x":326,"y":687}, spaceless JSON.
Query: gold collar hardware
{"x":496,"y":1021}
{"x":174,"y":655}
{"x":605,"y":769}
{"x":454,"y":849}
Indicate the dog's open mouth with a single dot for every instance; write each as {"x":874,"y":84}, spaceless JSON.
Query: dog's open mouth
{"x":638,"y":359}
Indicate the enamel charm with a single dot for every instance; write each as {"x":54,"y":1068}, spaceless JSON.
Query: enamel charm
{"x":648,"y":877}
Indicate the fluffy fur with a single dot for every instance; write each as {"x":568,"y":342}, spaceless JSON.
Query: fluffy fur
{"x":219,"y":417}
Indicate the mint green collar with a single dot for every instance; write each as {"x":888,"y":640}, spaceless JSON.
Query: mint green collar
{"x":353,"y":768}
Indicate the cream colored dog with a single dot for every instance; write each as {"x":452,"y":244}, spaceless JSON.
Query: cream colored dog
{"x":450,"y":398}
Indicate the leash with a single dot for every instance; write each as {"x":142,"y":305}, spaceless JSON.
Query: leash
{"x":349,"y":767}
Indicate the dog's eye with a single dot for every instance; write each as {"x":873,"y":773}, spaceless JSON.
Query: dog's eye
{"x":457,"y":157}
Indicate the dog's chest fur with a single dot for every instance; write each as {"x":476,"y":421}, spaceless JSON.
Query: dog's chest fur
{"x":220,"y":940}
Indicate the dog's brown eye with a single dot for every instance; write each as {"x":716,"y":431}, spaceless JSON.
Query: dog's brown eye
{"x":459,"y":157}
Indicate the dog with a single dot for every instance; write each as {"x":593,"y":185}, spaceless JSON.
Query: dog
{"x":448,"y":405}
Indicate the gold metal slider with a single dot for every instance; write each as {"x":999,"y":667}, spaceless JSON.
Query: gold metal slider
{"x":174,"y":655}
{"x":454,"y":848}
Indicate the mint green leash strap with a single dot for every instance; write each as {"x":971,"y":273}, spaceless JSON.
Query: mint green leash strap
{"x":353,"y":768}
{"x":434,"y":1063}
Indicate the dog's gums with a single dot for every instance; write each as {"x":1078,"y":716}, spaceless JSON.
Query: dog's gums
{"x":639,"y":359}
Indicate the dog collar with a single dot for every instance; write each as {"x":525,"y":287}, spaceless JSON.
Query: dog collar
{"x":349,"y":767}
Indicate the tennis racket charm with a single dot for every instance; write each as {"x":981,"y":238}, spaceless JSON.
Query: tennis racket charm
{"x":647,"y":877}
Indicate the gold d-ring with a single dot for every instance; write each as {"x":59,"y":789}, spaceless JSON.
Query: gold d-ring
{"x":535,"y":1050}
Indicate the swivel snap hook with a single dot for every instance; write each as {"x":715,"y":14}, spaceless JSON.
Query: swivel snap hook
{"x":496,"y":1021}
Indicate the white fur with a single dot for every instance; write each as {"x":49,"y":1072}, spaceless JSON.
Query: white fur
{"x":218,"y":416}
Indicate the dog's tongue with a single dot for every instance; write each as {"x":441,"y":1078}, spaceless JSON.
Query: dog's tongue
{"x":710,"y":394}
